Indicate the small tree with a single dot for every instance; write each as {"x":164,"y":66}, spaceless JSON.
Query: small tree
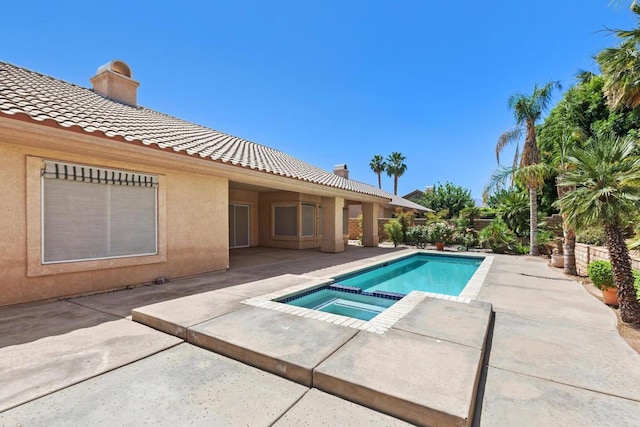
{"x":447,"y":196}
{"x":394,"y":230}
{"x":406,"y":220}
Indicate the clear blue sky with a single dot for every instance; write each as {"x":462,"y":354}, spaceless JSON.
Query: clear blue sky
{"x":329,"y":81}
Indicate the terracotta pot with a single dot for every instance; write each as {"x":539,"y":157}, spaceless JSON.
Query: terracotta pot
{"x":610,"y":296}
{"x":557,"y":260}
{"x":440,"y":246}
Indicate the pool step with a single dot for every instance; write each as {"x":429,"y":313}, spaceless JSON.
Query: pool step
{"x":354,"y":305}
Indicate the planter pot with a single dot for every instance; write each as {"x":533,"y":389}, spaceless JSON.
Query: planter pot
{"x":440,"y":246}
{"x":610,"y":296}
{"x":557,"y":260}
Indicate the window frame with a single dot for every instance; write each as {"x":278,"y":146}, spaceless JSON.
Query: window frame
{"x":35,"y":265}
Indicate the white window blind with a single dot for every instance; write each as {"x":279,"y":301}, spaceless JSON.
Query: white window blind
{"x":93,"y":213}
{"x":308,"y":220}
{"x":285,"y":221}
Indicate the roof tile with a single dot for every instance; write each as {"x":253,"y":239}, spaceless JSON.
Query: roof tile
{"x":45,"y":98}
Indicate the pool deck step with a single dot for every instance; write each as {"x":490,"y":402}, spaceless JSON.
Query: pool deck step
{"x":424,"y":370}
{"x":283,"y":344}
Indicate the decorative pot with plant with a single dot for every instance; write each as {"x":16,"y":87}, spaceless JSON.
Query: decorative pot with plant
{"x":601,"y":275}
{"x":440,"y":233}
{"x":557,"y":256}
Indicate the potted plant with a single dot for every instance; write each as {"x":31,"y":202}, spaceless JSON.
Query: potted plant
{"x":601,"y":275}
{"x":557,"y":257}
{"x":440,"y":233}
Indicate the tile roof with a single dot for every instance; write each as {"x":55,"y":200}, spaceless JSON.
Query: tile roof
{"x":43,"y":98}
{"x":402,"y":202}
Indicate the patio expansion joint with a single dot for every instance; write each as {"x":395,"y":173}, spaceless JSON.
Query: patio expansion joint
{"x":313,"y":371}
{"x":565,"y":384}
{"x":70,"y":301}
{"x":437,"y":338}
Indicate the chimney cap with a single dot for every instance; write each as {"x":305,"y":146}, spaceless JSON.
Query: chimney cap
{"x":116,"y":66}
{"x":340,"y":166}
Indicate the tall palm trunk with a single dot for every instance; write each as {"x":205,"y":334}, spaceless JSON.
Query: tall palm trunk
{"x":395,"y":184}
{"x":569,"y":249}
{"x":568,"y":234}
{"x":622,"y":275}
{"x":379,"y":179}
{"x":533,"y":219}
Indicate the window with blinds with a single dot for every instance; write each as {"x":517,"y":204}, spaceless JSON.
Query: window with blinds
{"x":93,"y":213}
{"x":308,"y":220}
{"x":285,"y":221}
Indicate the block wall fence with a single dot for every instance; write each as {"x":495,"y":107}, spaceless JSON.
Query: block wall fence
{"x":587,"y":253}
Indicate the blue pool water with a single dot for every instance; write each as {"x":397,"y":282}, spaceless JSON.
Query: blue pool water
{"x":364,"y":307}
{"x":439,"y":274}
{"x":365,"y":294}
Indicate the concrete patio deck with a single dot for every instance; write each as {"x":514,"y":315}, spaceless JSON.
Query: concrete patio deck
{"x":82,"y":361}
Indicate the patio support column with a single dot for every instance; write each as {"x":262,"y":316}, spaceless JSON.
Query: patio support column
{"x":332,"y":237}
{"x":370,"y":224}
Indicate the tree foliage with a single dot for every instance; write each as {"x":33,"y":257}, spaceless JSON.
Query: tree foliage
{"x":447,"y":196}
{"x":606,"y":177}
{"x":395,"y":167}
{"x":621,"y":68}
{"x":378,"y":165}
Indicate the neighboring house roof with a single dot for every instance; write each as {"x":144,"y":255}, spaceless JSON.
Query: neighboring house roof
{"x":42,"y":98}
{"x":415,"y":194}
{"x":404,"y":203}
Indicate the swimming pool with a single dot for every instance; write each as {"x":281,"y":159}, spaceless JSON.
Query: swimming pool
{"x":366,"y":293}
{"x":440,"y":274}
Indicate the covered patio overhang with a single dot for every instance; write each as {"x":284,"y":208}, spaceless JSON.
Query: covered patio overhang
{"x":290,"y":213}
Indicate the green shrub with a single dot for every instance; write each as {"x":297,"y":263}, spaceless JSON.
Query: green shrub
{"x":498,"y":237}
{"x":405,"y":219}
{"x":486,"y":213}
{"x":636,"y":283}
{"x":465,"y":239}
{"x":545,"y":240}
{"x":394,"y":230}
{"x":522,"y":248}
{"x":591,"y":236}
{"x":440,"y":232}
{"x":418,"y":235}
{"x":601,"y":274}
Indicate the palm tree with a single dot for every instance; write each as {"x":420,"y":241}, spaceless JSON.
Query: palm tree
{"x":527,"y":111}
{"x":395,"y":167}
{"x":378,"y":166}
{"x":621,"y":68}
{"x":606,"y":177}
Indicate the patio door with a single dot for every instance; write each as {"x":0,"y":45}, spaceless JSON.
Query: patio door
{"x":239,"y":226}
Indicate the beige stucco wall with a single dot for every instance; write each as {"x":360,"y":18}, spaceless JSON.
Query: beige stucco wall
{"x":193,"y":235}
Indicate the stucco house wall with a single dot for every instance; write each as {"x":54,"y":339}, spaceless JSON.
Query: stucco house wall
{"x":192,"y":226}
{"x":118,"y":235}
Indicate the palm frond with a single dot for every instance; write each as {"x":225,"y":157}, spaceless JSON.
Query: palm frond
{"x":498,"y":181}
{"x":506,"y":138}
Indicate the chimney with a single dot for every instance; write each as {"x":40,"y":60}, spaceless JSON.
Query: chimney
{"x":341,"y":170}
{"x":114,"y":81}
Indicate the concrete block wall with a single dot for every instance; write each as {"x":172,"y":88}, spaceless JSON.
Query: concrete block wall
{"x":587,"y":253}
